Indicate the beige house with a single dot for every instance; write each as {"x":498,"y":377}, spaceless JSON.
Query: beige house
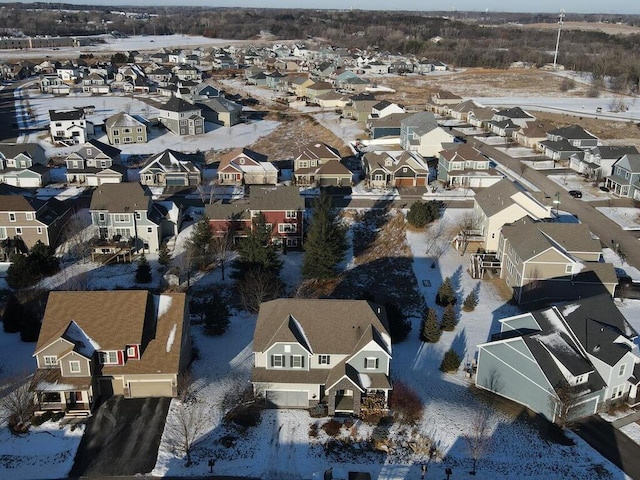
{"x":296,"y":364}
{"x":243,"y":166}
{"x":532,"y":134}
{"x":123,"y":128}
{"x":420,"y":133}
{"x":559,"y":261}
{"x":102,"y":343}
{"x":501,"y":204}
{"x":319,"y":164}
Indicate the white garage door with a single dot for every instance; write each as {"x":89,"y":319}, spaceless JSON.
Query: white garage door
{"x":287,"y":399}
{"x":150,"y":389}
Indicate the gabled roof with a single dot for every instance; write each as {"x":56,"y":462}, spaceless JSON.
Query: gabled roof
{"x":246,"y":153}
{"x":120,"y":197}
{"x":514,"y":112}
{"x":72,"y":114}
{"x":629,"y":162}
{"x":283,"y":197}
{"x":317,"y":150}
{"x":560,"y":146}
{"x":12,"y":150}
{"x":501,"y":196}
{"x":573,"y":132}
{"x":108,"y":150}
{"x":176,"y":104}
{"x":171,"y":161}
{"x":613,"y":151}
{"x":463,"y":152}
{"x":122,"y":119}
{"x":421,"y":122}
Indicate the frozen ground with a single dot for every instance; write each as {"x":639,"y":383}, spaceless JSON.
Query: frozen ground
{"x":628,"y":217}
{"x":574,"y":181}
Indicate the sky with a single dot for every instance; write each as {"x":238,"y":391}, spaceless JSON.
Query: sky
{"x":577,"y":6}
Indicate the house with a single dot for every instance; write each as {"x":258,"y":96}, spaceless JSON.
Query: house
{"x":69,"y":127}
{"x":95,"y":84}
{"x":504,"y":128}
{"x":383,"y":170}
{"x":187,"y":72}
{"x":125,"y":211}
{"x":95,"y":163}
{"x":559,"y":149}
{"x":575,"y":135}
{"x":220,"y":110}
{"x":33,"y":220}
{"x":461,"y":110}
{"x":386,"y":126}
{"x":102,"y":343}
{"x":52,"y":83}
{"x":243,"y":166}
{"x":597,"y":162}
{"x":559,"y":261}
{"x":319,"y":164}
{"x":297,"y":365}
{"x":625,"y":178}
{"x":317,"y":89}
{"x":501,"y":204}
{"x":171,"y":169}
{"x":465,"y":166}
{"x":332,"y":100}
{"x":384,"y":108}
{"x":23,"y":165}
{"x":123,"y":128}
{"x":359,"y":107}
{"x":479,"y":117}
{"x":420,"y":133}
{"x":282,"y":206}
{"x":444,"y":97}
{"x":516,"y":115}
{"x":181,"y":117}
{"x":572,"y":359}
{"x":532,"y":133}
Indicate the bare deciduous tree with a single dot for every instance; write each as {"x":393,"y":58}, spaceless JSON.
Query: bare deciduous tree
{"x":17,"y":405}
{"x":221,"y":246}
{"x":208,"y":192}
{"x":186,"y":426}
{"x":479,"y":436}
{"x":257,"y":286}
{"x":564,"y":397}
{"x":468,"y":223}
{"x":438,"y":236}
{"x":77,"y":234}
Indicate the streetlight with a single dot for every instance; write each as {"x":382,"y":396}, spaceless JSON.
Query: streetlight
{"x":556,"y":202}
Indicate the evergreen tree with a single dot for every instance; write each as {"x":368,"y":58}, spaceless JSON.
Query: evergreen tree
{"x":430,"y":330}
{"x":40,"y":262}
{"x":470,"y":302}
{"x":199,"y":244}
{"x":216,"y":319}
{"x":12,"y":316}
{"x":164,"y":257}
{"x":256,"y":251}
{"x":449,"y":319}
{"x":446,"y":294}
{"x":418,"y":215}
{"x":450,"y":361}
{"x":30,"y":327}
{"x":143,"y":272}
{"x":399,"y":324}
{"x":326,"y":242}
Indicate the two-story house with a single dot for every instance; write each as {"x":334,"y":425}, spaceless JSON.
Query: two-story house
{"x":31,"y":220}
{"x":243,"y":166}
{"x":219,"y":110}
{"x":123,"y":128}
{"x":102,"y":343}
{"x":95,"y":84}
{"x":563,"y":142}
{"x":23,"y":165}
{"x":420,"y":133}
{"x":171,"y":169}
{"x":570,"y":359}
{"x":69,"y":127}
{"x":319,"y":164}
{"x":382,"y":169}
{"x":297,"y":365}
{"x":181,"y":117}
{"x":559,"y":261}
{"x":625,"y":177}
{"x":465,"y":166}
{"x":597,"y":162}
{"x":125,"y":212}
{"x":282,"y":206}
{"x":95,"y":163}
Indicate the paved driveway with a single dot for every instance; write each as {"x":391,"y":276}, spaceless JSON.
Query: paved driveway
{"x":122,"y":437}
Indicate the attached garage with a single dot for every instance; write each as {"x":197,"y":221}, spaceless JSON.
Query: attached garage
{"x":172,"y":181}
{"x":404,"y":182}
{"x":155,"y":388}
{"x":287,"y":399}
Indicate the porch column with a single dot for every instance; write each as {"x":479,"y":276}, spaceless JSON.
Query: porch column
{"x":331,"y":404}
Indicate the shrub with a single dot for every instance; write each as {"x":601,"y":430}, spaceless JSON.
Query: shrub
{"x":313,"y":430}
{"x":449,"y":319}
{"x":422,"y":214}
{"x":470,"y":302}
{"x":216,"y":318}
{"x":56,"y":417}
{"x":450,"y":361}
{"x":332,"y":427}
{"x":430,"y":330}
{"x":405,"y":403}
{"x":37,"y":420}
{"x":143,"y":272}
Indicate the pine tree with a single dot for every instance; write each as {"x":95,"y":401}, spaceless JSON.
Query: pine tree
{"x":12,"y":316}
{"x":164,"y":257}
{"x":399,"y":324}
{"x":216,"y":318}
{"x":450,"y":361}
{"x":449,"y":319}
{"x":326,"y":242}
{"x":430,"y":330}
{"x":199,"y":244}
{"x":256,"y":251}
{"x":143,"y":272}
{"x":418,"y":215}
{"x":470,"y":302}
{"x":446,"y":294}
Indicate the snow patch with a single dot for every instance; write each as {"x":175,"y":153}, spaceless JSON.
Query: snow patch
{"x":85,"y":344}
{"x":365,"y":380}
{"x":172,"y":337}
{"x":569,"y":309}
{"x":53,"y":387}
{"x":163,"y":303}
{"x":304,"y":335}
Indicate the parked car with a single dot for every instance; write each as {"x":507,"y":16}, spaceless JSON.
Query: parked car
{"x":575,"y":193}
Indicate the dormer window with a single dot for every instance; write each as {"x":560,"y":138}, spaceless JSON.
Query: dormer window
{"x":109,"y":357}
{"x":371,"y":363}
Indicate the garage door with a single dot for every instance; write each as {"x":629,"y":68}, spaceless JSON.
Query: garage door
{"x":404,"y":182}
{"x":287,"y":399}
{"x":150,"y":389}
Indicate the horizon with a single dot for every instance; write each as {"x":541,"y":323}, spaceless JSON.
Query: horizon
{"x":615,"y":7}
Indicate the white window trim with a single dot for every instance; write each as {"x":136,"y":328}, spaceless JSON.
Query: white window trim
{"x":131,"y":352}
{"x":287,"y":228}
{"x":297,"y":359}
{"x":280,"y":357}
{"x":12,"y":216}
{"x":368,"y":360}
{"x":74,"y":366}
{"x":324,"y":360}
{"x":29,"y":215}
{"x":47,"y":359}
{"x":105,"y":357}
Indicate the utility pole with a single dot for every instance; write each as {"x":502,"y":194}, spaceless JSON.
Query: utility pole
{"x":560,"y":23}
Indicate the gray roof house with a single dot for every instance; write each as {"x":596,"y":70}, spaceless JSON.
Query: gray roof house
{"x":171,"y":169}
{"x":23,"y":165}
{"x":420,"y":133}
{"x":625,"y":177}
{"x":219,"y":110}
{"x":181,"y":117}
{"x":297,"y":365}
{"x":597,"y":162}
{"x":95,"y":163}
{"x":570,"y":359}
{"x":575,"y":135}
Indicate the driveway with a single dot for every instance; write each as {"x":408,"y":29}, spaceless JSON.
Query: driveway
{"x":122,"y":437}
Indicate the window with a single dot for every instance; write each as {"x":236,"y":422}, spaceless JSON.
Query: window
{"x":370,"y":363}
{"x":89,"y":152}
{"x":109,"y":358}
{"x":74,"y":366}
{"x":617,"y":391}
{"x":12,"y":217}
{"x":292,"y":242}
{"x":103,"y":164}
{"x":131,"y":352}
{"x":121,"y":218}
{"x":101,"y":217}
{"x":297,"y":361}
{"x":39,"y":230}
{"x":277,"y":361}
{"x":127,"y":139}
{"x":287,"y":228}
{"x":138,"y":215}
{"x":622,"y":369}
{"x":149,"y":229}
{"x":139,"y":130}
{"x":29,"y":215}
{"x":140,"y":139}
{"x":50,"y":360}
{"x":568,"y":269}
{"x":324,"y":360}
{"x":18,"y":230}
{"x":291,"y":214}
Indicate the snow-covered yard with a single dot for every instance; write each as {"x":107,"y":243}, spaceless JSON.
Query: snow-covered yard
{"x":574,"y":181}
{"x":627,"y":217}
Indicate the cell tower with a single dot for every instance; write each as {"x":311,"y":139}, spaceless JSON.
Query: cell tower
{"x":560,"y":23}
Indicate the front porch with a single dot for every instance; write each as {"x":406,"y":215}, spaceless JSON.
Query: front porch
{"x":52,"y":392}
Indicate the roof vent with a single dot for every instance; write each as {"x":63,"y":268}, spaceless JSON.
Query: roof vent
{"x":596,"y":348}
